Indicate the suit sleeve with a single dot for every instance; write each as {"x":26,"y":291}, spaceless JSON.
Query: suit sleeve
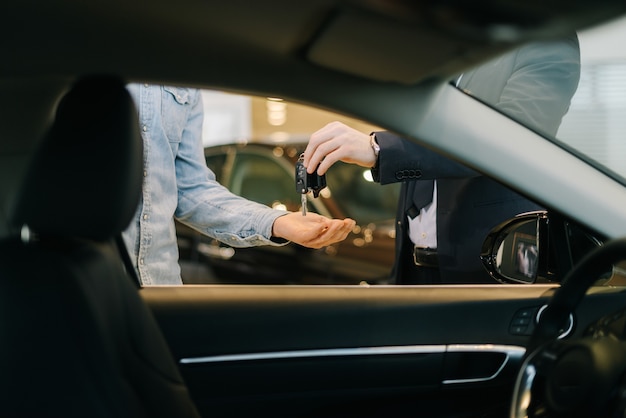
{"x":404,"y":160}
{"x":544,"y":79}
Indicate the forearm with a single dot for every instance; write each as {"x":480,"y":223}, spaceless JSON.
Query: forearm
{"x":227,"y":217}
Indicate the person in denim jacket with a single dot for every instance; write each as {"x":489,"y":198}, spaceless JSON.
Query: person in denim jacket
{"x":178,"y":184}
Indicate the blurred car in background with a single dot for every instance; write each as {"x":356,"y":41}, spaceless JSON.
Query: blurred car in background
{"x":265,"y":173}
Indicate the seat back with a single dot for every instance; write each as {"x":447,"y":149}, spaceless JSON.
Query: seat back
{"x":76,"y":337}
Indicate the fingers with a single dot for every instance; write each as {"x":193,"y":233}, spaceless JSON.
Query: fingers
{"x":321,"y":146}
{"x":327,"y":154}
{"x":318,"y":137}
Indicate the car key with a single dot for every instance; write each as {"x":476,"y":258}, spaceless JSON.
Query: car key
{"x":306,"y":182}
{"x":303,"y":203}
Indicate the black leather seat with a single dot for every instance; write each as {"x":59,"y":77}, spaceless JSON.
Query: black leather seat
{"x":76,"y":339}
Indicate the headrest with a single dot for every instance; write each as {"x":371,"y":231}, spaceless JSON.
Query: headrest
{"x":85,"y":179}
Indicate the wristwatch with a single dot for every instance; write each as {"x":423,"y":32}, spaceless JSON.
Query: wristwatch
{"x":375,"y":169}
{"x":374,"y":144}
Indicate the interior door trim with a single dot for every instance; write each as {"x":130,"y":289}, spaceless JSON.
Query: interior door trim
{"x":332,"y":352}
{"x":510,"y":352}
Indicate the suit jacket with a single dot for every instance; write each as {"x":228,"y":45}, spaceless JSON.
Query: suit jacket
{"x":534,"y":85}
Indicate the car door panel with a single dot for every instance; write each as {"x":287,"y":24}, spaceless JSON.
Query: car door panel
{"x":350,"y":351}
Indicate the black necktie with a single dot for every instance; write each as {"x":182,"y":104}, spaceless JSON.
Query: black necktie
{"x":421,"y":194}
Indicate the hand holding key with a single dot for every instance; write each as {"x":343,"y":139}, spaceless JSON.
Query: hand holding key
{"x":314,"y":230}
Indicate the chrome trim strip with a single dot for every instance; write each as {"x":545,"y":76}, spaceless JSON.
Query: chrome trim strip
{"x":511,"y":352}
{"x":331,"y":352}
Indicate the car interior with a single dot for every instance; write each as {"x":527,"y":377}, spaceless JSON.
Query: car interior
{"x":91,"y":334}
{"x":80,"y":337}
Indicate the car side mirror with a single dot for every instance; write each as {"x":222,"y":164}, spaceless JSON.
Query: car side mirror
{"x":536,"y":247}
{"x":516,"y":250}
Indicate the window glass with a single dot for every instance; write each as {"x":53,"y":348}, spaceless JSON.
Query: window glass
{"x":356,"y":193}
{"x":595,"y":125}
{"x":260,"y":167}
{"x":265,"y":172}
{"x":259,"y":178}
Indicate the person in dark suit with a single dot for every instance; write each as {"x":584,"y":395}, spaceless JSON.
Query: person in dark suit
{"x":445,"y":209}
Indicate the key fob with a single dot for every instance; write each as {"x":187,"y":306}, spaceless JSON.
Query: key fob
{"x":306,"y":181}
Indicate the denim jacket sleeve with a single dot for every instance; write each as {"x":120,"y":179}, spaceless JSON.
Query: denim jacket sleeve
{"x":206,"y":205}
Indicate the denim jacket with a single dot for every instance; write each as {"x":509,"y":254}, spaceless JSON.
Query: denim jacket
{"x":177,"y":183}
